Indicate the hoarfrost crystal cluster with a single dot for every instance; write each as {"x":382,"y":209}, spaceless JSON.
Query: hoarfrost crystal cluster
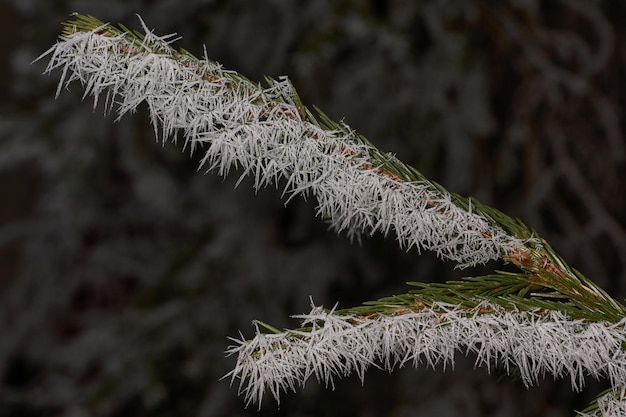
{"x":533,"y":343}
{"x":262,"y":132}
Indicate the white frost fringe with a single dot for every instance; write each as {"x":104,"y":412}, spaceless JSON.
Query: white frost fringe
{"x":261,"y":132}
{"x":533,"y":343}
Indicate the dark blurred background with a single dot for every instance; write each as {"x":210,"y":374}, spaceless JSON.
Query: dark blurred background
{"x":123,"y":270}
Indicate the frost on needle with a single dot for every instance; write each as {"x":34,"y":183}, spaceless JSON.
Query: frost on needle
{"x":531,"y":343}
{"x":266,"y":133}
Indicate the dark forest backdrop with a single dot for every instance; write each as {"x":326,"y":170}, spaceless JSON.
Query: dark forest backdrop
{"x":123,"y":269}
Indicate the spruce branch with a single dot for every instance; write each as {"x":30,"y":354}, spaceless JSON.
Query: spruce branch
{"x":545,"y":318}
{"x":533,"y":343}
{"x":268,"y":134}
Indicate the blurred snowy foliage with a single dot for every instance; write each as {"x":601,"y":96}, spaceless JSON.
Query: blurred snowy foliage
{"x":123,"y":270}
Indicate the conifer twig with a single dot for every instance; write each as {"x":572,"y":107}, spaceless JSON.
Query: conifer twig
{"x":545,"y":318}
{"x":267,"y":133}
{"x":330,"y":345}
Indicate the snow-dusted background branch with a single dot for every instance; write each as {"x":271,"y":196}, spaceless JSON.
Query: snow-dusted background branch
{"x":472,"y":95}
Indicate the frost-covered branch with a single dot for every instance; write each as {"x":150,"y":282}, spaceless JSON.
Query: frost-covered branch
{"x":545,"y":319}
{"x":533,"y":343}
{"x":269,"y":135}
